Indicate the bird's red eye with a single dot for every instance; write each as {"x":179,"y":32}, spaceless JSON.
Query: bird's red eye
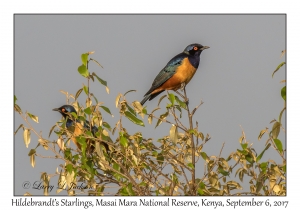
{"x":63,"y":110}
{"x":195,"y":48}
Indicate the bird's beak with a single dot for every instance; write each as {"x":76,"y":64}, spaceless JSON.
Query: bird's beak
{"x":56,"y":109}
{"x":204,"y":47}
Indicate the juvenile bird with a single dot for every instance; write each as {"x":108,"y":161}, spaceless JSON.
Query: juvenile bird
{"x":65,"y":110}
{"x":178,"y":71}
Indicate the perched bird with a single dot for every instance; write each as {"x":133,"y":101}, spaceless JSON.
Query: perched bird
{"x":65,"y":110}
{"x":178,"y":71}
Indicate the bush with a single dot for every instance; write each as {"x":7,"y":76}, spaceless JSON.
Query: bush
{"x":138,"y":166}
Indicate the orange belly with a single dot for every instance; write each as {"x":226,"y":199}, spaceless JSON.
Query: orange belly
{"x":184,"y":73}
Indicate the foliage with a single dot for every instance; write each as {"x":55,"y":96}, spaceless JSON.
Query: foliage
{"x":138,"y":166}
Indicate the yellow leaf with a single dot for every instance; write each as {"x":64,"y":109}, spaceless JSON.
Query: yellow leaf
{"x":174,"y":134}
{"x":64,"y":92}
{"x":135,"y":159}
{"x":138,"y":108}
{"x":105,"y":133}
{"x":61,"y":182}
{"x":262,"y":133}
{"x":276,"y":188}
{"x":26,"y":136}
{"x":61,"y":144}
{"x":32,"y":160}
{"x":44,"y":143}
{"x":118,"y":99}
{"x":88,"y":102}
{"x":150,"y":119}
{"x":33,"y":117}
{"x":98,"y":150}
{"x":107,"y":89}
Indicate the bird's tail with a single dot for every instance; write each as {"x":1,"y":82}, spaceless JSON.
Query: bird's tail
{"x":145,"y":99}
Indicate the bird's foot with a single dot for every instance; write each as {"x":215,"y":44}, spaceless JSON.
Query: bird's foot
{"x":182,"y":86}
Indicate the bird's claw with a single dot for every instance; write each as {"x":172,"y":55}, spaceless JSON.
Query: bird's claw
{"x":182,"y":86}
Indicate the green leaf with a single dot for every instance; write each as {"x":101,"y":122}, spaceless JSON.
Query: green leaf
{"x":283,"y":93}
{"x":106,"y":125}
{"x":179,"y":109}
{"x":204,"y":156}
{"x":223,"y":172}
{"x":130,"y":190}
{"x":155,"y":153}
{"x":130,"y":109}
{"x":82,"y":141}
{"x":133,"y":119}
{"x":103,"y":82}
{"x":116,"y":167}
{"x":161,"y":118}
{"x":244,"y":146}
{"x":31,"y":152}
{"x":160,"y":158}
{"x":200,"y":191}
{"x":275,"y":130}
{"x":249,"y":158}
{"x":190,"y":165}
{"x":181,"y":103}
{"x":244,"y":152}
{"x":264,"y":166}
{"x":84,"y":58}
{"x":86,"y":90}
{"x":278,"y":67}
{"x":88,"y":111}
{"x":106,"y":109}
{"x":15,"y":99}
{"x":69,"y":168}
{"x":262,"y":153}
{"x":172,"y":98}
{"x":123,"y":141}
{"x":278,"y":144}
{"x":83,"y":71}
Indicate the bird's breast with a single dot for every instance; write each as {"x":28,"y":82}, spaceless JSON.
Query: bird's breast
{"x":183,"y":74}
{"x":185,"y":71}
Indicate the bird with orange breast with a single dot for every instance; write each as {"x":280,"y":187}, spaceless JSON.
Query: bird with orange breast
{"x":177,"y":73}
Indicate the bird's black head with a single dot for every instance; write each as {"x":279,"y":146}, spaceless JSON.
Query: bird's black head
{"x":195,"y":49}
{"x":65,"y":109}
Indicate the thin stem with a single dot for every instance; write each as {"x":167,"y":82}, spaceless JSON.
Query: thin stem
{"x":192,"y":141}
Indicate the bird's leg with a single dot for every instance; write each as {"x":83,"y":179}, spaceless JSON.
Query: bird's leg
{"x":182,"y":86}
